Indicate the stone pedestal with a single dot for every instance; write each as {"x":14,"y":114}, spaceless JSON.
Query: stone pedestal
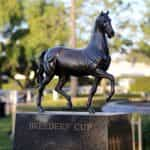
{"x":72,"y":131}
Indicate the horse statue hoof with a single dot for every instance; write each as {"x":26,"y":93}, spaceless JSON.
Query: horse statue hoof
{"x":107,"y":100}
{"x":91,"y":110}
{"x":69,"y":106}
{"x":40,"y":109}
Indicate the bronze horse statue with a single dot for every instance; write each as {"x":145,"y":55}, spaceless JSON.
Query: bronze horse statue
{"x":92,"y":60}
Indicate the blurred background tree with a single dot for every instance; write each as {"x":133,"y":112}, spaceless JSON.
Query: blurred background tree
{"x":47,"y":25}
{"x":144,"y":45}
{"x":28,"y":28}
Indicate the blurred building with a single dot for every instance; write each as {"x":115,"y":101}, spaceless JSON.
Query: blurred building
{"x":125,"y":68}
{"x":125,"y":71}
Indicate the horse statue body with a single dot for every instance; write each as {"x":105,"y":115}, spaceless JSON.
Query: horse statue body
{"x":92,"y":60}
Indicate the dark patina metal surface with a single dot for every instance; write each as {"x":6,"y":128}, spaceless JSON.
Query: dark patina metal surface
{"x":92,"y":60}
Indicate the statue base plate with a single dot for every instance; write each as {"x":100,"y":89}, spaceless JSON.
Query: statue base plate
{"x":72,"y":131}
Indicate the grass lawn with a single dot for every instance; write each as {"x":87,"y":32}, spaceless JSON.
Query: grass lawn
{"x":5,"y":128}
{"x":79,"y":103}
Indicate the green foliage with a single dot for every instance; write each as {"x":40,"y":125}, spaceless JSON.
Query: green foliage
{"x":141,"y":84}
{"x":11,"y":85}
{"x":22,"y":61}
{"x":118,"y":43}
{"x":145,"y":25}
{"x":3,"y":58}
{"x":145,"y":48}
{"x":10,"y":12}
{"x":139,"y":56}
{"x":144,"y":45}
{"x":47,"y":26}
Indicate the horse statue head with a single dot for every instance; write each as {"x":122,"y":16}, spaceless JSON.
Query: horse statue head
{"x":103,"y":23}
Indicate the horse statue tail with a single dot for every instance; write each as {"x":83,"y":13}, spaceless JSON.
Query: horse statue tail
{"x":40,"y":68}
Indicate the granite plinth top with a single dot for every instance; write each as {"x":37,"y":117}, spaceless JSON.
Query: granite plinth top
{"x":127,"y":107}
{"x":72,"y":113}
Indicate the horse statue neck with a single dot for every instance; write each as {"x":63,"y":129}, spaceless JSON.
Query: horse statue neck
{"x":98,"y":41}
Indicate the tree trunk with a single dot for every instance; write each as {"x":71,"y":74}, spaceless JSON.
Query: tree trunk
{"x":74,"y":80}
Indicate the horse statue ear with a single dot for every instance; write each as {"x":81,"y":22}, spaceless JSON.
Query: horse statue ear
{"x":107,"y":12}
{"x":102,"y":13}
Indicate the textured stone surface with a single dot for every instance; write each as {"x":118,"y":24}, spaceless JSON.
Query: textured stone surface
{"x":127,"y":107}
{"x":67,"y":131}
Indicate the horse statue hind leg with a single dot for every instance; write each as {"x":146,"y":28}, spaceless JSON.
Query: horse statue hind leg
{"x":62,"y":80}
{"x":42,"y":85}
{"x":58,"y":88}
{"x":43,"y":80}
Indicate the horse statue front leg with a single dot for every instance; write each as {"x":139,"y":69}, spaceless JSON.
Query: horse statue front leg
{"x":92,"y":92}
{"x":39,"y":98}
{"x":103,"y":74}
{"x":112,"y":84}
